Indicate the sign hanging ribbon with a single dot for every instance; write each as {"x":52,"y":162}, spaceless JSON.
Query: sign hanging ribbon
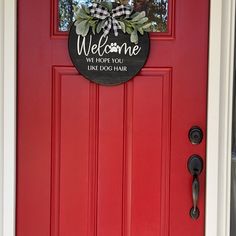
{"x":111,"y":22}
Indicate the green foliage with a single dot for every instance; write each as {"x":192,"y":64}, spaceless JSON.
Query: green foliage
{"x":107,"y":5}
{"x":136,"y":23}
{"x":82,"y":28}
{"x":100,"y":26}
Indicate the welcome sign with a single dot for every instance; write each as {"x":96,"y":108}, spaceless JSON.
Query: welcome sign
{"x":101,"y":53}
{"x":109,"y":59}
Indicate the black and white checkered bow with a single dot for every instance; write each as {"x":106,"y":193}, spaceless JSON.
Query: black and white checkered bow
{"x":111,"y":22}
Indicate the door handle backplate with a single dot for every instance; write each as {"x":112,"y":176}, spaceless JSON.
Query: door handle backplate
{"x":195,"y":166}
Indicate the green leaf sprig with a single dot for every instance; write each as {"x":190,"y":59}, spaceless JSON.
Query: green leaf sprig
{"x":138,"y":22}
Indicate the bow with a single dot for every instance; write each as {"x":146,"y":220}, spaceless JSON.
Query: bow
{"x":102,"y":13}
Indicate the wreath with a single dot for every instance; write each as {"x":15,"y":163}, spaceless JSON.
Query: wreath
{"x":107,"y":16}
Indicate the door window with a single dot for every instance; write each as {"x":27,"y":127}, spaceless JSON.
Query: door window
{"x":156,"y":10}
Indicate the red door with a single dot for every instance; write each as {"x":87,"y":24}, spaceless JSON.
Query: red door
{"x":110,"y":161}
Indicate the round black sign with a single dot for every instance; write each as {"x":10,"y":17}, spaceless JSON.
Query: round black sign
{"x":110,"y":59}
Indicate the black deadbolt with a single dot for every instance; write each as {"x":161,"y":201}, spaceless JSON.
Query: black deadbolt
{"x":195,"y":135}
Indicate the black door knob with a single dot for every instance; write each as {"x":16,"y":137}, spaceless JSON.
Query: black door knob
{"x":195,"y":135}
{"x":195,"y":165}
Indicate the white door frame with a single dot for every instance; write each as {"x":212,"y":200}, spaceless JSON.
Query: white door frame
{"x":221,"y":52}
{"x":7,"y":116}
{"x":220,"y":91}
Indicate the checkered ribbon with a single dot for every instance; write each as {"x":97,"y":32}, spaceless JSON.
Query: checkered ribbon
{"x":111,"y":22}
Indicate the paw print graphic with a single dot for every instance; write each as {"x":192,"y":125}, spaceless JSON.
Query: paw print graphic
{"x":114,"y":47}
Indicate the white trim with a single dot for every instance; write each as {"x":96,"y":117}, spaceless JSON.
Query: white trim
{"x":220,"y":91}
{"x":1,"y":117}
{"x":219,"y":116}
{"x":7,"y":117}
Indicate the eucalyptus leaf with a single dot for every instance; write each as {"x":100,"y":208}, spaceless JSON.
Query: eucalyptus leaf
{"x":92,"y":22}
{"x":139,"y":16}
{"x":78,"y":21}
{"x":76,"y":14}
{"x":94,"y":29}
{"x":82,"y":28}
{"x":127,"y":23}
{"x":140,"y":30}
{"x":99,"y":27}
{"x":129,"y":30}
{"x":142,"y":21}
{"x":147,"y":26}
{"x":107,"y":5}
{"x":122,"y":25}
{"x":75,"y":8}
{"x":81,"y":13}
{"x":134,"y":37}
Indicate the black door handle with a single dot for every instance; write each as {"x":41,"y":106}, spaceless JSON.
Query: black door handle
{"x":194,"y":212}
{"x":195,"y":166}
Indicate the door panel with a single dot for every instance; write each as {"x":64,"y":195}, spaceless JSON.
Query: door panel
{"x":150,"y":157}
{"x":100,"y":161}
{"x":68,"y":170}
{"x":123,"y":186}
